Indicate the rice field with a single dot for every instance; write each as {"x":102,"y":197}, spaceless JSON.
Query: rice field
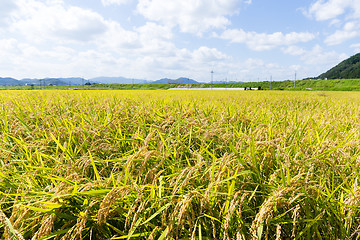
{"x":179,"y":165}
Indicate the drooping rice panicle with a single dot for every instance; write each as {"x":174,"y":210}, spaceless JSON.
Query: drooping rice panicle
{"x":174,"y":165}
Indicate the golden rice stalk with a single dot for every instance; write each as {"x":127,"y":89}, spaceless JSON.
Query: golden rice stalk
{"x":47,"y":224}
{"x":152,"y":234}
{"x":278,"y":232}
{"x":266,"y":210}
{"x":10,"y":232}
{"x":233,"y":204}
{"x":109,"y":201}
{"x":295,"y":216}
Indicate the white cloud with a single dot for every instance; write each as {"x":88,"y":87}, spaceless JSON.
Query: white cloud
{"x":156,"y":40}
{"x":116,"y":2}
{"x":7,"y":7}
{"x":53,"y":39}
{"x":294,"y":50}
{"x":341,"y":36}
{"x":349,"y":31}
{"x":116,"y":38}
{"x":150,"y":39}
{"x":263,"y":41}
{"x":193,"y":16}
{"x":205,"y":54}
{"x":7,"y":45}
{"x":52,"y":20}
{"x":317,"y":56}
{"x":338,"y":12}
{"x":319,"y":60}
{"x":316,"y":60}
{"x":254,"y":69}
{"x":356,"y":47}
{"x":326,"y":10}
{"x":253,"y":63}
{"x":155,"y":31}
{"x":9,"y":55}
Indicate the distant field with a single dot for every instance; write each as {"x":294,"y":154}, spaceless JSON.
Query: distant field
{"x":301,"y":85}
{"x":179,"y":165}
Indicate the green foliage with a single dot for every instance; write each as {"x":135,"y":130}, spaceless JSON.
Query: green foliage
{"x":301,"y":85}
{"x":347,"y":69}
{"x":179,"y":165}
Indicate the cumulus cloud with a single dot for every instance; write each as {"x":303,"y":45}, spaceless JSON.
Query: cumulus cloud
{"x":316,"y":59}
{"x":253,"y":63}
{"x":9,"y":52}
{"x":52,"y":20}
{"x":206,"y":54}
{"x":7,"y":7}
{"x":317,"y":56}
{"x":330,"y":9}
{"x":344,"y":13}
{"x":155,"y":31}
{"x":116,"y":39}
{"x":263,"y":41}
{"x":51,"y":38}
{"x":255,"y":69}
{"x":349,"y":31}
{"x":116,"y":2}
{"x":150,"y":39}
{"x":294,"y":50}
{"x":356,"y":47}
{"x":341,"y":36}
{"x":325,"y":10}
{"x":191,"y":16}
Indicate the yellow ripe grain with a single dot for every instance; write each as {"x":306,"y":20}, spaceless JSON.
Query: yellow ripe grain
{"x":179,"y":164}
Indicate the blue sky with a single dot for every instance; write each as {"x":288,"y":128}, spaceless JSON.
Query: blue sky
{"x":243,"y":40}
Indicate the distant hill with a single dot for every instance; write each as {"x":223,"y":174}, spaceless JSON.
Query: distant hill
{"x":9,"y":82}
{"x":347,"y":69}
{"x":215,"y":82}
{"x":80,"y":81}
{"x":53,"y":81}
{"x":117,"y":80}
{"x":179,"y":80}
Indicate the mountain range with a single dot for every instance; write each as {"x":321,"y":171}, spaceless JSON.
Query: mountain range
{"x":347,"y":69}
{"x":8,"y":81}
{"x":43,"y":81}
{"x":179,"y":80}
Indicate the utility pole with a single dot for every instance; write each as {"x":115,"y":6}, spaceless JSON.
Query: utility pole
{"x":212,"y":78}
{"x":295,"y":80}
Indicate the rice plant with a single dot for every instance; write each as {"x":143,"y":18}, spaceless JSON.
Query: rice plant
{"x":179,"y":165}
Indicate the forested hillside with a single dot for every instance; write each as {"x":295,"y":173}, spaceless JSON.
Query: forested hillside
{"x":348,"y":69}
